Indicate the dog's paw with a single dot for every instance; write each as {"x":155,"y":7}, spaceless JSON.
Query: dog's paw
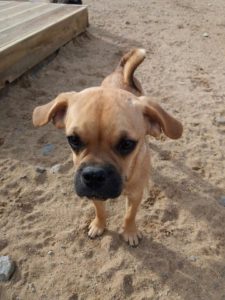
{"x":95,"y":229}
{"x":132,"y":237}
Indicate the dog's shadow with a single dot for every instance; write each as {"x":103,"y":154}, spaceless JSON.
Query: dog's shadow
{"x":165,"y":267}
{"x":179,"y":273}
{"x":200,"y":276}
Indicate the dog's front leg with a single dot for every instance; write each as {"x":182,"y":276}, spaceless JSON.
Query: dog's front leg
{"x":97,"y":226}
{"x":130,"y":232}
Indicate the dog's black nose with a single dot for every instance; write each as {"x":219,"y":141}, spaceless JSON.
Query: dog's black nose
{"x":98,"y":181}
{"x":94,"y":176}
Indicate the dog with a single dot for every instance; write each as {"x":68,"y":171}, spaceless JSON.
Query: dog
{"x":107,"y":129}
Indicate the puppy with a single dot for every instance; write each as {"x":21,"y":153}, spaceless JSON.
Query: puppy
{"x":106,"y":128}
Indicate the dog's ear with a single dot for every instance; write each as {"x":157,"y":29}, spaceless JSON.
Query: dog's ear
{"x":54,"y":110}
{"x":159,"y":120}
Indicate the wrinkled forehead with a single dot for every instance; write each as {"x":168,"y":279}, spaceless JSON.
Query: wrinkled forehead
{"x":104,"y":114}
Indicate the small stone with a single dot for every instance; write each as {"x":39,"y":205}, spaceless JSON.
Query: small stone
{"x":193,"y":258}
{"x":7,"y":267}
{"x":40,"y":170}
{"x":47,"y":149}
{"x":50,"y":253}
{"x":222,"y":200}
{"x":128,"y":284}
{"x":127,"y":23}
{"x":205,"y":34}
{"x":219,"y":121}
{"x":56,"y":169}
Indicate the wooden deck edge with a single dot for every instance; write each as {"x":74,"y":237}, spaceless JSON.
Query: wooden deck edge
{"x":21,"y":57}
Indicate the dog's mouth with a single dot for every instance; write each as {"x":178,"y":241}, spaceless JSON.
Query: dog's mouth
{"x":98,"y":182}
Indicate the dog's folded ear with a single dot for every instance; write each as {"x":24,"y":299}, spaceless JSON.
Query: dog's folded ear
{"x":159,"y":120}
{"x":54,"y":110}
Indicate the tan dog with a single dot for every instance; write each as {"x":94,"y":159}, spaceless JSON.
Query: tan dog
{"x":106,"y":128}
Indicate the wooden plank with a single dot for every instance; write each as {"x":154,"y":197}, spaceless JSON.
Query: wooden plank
{"x":20,"y":55}
{"x":2,"y":3}
{"x":5,"y":6}
{"x":24,"y":16}
{"x":13,"y":11}
{"x":14,"y":34}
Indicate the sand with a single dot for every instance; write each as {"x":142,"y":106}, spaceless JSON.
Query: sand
{"x":43,"y":225}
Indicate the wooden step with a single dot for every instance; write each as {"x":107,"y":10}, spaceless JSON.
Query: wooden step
{"x":29,"y":32}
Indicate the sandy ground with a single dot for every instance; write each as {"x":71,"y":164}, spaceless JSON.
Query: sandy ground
{"x":43,"y":225}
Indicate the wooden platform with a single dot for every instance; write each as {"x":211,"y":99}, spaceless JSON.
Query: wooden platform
{"x":29,"y":32}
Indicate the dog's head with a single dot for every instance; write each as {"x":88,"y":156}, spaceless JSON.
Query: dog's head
{"x":106,"y":129}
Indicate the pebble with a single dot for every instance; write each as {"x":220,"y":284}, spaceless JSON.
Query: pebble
{"x":56,"y":168}
{"x":47,"y":149}
{"x":50,"y":252}
{"x":7,"y":267}
{"x":222,"y":200}
{"x":205,"y":34}
{"x":40,"y":170}
{"x":193,"y":258}
{"x":219,"y":121}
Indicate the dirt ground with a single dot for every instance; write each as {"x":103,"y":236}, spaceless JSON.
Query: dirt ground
{"x":43,"y":225}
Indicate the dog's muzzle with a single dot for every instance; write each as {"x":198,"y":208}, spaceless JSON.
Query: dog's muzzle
{"x":98,"y":182}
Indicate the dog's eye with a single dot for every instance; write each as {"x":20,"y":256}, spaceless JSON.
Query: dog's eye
{"x":125,"y":146}
{"x":75,"y":142}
